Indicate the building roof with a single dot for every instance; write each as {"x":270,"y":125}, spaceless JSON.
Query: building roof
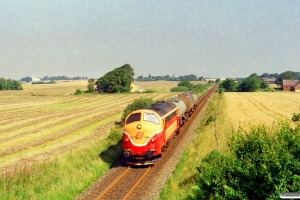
{"x":135,"y":87}
{"x":296,"y":84}
{"x":290,"y":82}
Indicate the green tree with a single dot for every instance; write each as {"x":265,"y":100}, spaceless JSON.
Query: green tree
{"x":260,"y":164}
{"x":287,"y":75}
{"x":167,"y":77}
{"x":129,"y":71}
{"x":229,"y":85}
{"x":117,"y":80}
{"x":249,"y":84}
{"x":27,"y":79}
{"x":3,"y":83}
{"x":9,"y":84}
{"x":90,"y":86}
{"x":264,"y":85}
{"x":254,"y":75}
{"x":186,"y":83}
{"x":265,"y":75}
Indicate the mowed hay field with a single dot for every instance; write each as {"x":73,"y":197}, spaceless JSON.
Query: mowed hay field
{"x":44,"y":121}
{"x":163,"y":86}
{"x":246,"y":109}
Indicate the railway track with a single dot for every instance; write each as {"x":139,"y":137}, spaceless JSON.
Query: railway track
{"x":136,"y":182}
{"x":123,"y":186}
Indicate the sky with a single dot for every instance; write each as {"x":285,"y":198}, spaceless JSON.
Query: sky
{"x":216,"y":39}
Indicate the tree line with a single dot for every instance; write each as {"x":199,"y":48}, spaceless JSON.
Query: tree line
{"x":255,"y":82}
{"x":9,"y":84}
{"x":120,"y":79}
{"x":53,"y":78}
{"x":190,"y":77}
{"x":186,"y":85}
{"x":249,"y":84}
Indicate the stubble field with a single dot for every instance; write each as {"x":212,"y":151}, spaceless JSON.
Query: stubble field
{"x":44,"y":121}
{"x":246,"y":109}
{"x":228,"y":112}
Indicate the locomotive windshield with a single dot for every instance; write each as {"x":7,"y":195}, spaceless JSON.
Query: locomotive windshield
{"x":133,"y":118}
{"x":151,"y":118}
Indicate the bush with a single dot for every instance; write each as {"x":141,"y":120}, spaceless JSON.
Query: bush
{"x":269,"y":90}
{"x":260,"y":164}
{"x":149,"y":91}
{"x":186,"y":83}
{"x":221,"y":90}
{"x":264,"y":85}
{"x":211,"y":118}
{"x":43,"y":82}
{"x":296,"y":117}
{"x":229,"y":85}
{"x":179,"y":89}
{"x":115,"y":135}
{"x":198,"y":88}
{"x":78,"y":92}
{"x":250,"y":84}
{"x":137,"y":104}
{"x":9,"y":84}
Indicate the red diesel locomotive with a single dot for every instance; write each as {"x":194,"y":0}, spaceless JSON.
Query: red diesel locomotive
{"x":147,"y":131}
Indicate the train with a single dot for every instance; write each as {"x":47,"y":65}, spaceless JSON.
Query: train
{"x":148,"y":131}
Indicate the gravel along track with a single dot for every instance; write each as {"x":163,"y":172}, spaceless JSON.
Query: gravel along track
{"x":152,"y":184}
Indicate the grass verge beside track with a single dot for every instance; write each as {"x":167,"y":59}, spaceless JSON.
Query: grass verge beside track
{"x":180,"y":184}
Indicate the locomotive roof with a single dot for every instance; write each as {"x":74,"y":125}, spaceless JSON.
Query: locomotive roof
{"x":161,"y":108}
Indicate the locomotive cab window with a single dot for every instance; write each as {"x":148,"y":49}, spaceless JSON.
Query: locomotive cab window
{"x":133,"y":118}
{"x":151,"y":118}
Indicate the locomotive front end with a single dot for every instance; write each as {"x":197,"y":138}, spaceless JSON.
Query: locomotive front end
{"x":142,"y":137}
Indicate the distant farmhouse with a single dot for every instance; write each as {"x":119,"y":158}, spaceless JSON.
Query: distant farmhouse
{"x":269,"y":80}
{"x":35,"y":79}
{"x":291,"y":85}
{"x":210,"y":79}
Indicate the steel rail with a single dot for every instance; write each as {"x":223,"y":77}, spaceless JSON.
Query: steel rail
{"x":137,"y":183}
{"x":112,"y":184}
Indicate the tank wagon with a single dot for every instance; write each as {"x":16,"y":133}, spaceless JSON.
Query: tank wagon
{"x":148,"y":131}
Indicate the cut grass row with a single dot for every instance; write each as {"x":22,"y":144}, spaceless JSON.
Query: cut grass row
{"x":47,"y":145}
{"x":64,"y":177}
{"x":36,"y":129}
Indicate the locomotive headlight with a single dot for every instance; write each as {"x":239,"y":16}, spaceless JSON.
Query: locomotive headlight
{"x":149,"y":154}
{"x":126,"y":154}
{"x":139,"y":126}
